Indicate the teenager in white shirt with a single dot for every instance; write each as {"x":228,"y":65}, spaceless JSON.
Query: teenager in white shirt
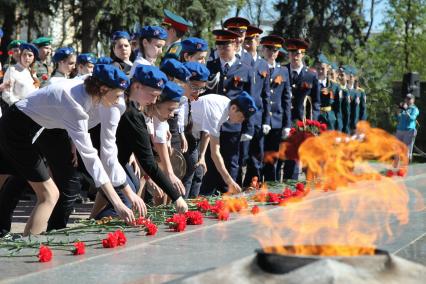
{"x":22,"y":81}
{"x":64,"y":106}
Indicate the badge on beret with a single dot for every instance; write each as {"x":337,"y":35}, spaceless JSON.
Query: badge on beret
{"x":251,"y":109}
{"x":198,"y":45}
{"x":160,"y":83}
{"x":67,"y":51}
{"x":156,"y":32}
{"x":123,"y":83}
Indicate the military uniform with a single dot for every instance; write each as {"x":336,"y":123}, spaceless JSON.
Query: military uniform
{"x":43,"y":69}
{"x":362,"y":104}
{"x":180,"y":25}
{"x":280,"y":117}
{"x":346,"y":109}
{"x":327,"y":115}
{"x":337,"y":105}
{"x":304,"y":84}
{"x":235,"y":77}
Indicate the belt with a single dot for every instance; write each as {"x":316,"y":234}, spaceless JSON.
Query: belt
{"x":326,"y":108}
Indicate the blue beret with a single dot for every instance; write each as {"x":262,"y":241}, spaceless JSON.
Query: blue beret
{"x":194,"y":44}
{"x":176,"y":69}
{"x":323,"y":59}
{"x":104,"y":60}
{"x":29,"y":46}
{"x":62,"y":53}
{"x":1,"y":33}
{"x":120,"y":34}
{"x":150,"y":76}
{"x":111,"y":76}
{"x":246,"y":104}
{"x":199,"y":72}
{"x":334,"y":65}
{"x":153,"y":32}
{"x":86,"y":58}
{"x":171,"y":92}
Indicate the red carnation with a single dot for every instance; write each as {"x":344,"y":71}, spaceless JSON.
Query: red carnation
{"x":299,"y":123}
{"x":111,"y":241}
{"x":121,"y":238}
{"x":255,"y":210}
{"x":401,"y":172}
{"x":323,"y":127}
{"x":273,"y":197}
{"x":79,"y":248}
{"x":151,"y":229}
{"x":203,"y":205}
{"x":218,"y":206}
{"x":300,"y":187}
{"x":390,"y":173}
{"x":1,"y":52}
{"x":44,"y":254}
{"x":292,"y":131}
{"x":10,"y":52}
{"x":194,"y":218}
{"x":177,"y":222}
{"x":45,"y":77}
{"x":287,"y":193}
{"x":298,"y":194}
{"x":223,"y":215}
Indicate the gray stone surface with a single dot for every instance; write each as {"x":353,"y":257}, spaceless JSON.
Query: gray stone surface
{"x":170,"y":256}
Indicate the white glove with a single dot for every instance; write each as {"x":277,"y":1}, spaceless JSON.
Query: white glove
{"x":245,"y":137}
{"x":266,"y":128}
{"x":285,"y":133}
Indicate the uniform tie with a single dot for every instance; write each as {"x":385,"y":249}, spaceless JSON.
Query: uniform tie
{"x":294,"y":76}
{"x":226,"y":68}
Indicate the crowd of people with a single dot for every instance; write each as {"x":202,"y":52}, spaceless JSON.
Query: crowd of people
{"x":122,"y":120}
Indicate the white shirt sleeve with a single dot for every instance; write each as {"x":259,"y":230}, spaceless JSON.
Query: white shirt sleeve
{"x":110,"y":117}
{"x":181,"y":118}
{"x":76,"y":124}
{"x":160,"y":129}
{"x":7,"y":94}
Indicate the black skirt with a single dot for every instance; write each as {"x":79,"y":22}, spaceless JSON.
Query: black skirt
{"x":18,"y":155}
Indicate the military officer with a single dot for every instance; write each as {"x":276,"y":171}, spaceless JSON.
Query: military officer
{"x":338,"y":95}
{"x":239,"y":26}
{"x":280,"y":119}
{"x":43,"y":66}
{"x":304,"y":85}
{"x":234,"y":77}
{"x":355,"y":98}
{"x":176,"y":28}
{"x":327,"y":115}
{"x":346,"y":98}
{"x":259,"y":124}
{"x":362,"y":100}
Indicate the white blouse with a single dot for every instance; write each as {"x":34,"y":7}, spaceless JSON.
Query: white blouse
{"x":138,"y":61}
{"x":68,"y":106}
{"x":21,"y":84}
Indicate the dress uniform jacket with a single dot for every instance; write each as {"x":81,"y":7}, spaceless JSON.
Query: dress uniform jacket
{"x":173,"y":51}
{"x":305,"y":84}
{"x":327,"y":115}
{"x":337,"y":105}
{"x":355,"y":102}
{"x":43,"y":72}
{"x":362,"y":105}
{"x":346,"y":109}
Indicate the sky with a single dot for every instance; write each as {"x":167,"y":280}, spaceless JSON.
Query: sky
{"x":379,"y":12}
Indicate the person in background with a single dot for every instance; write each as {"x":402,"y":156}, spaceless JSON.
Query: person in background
{"x":406,"y":114}
{"x":121,"y":51}
{"x":14,"y":53}
{"x":43,"y":66}
{"x":151,"y":42}
{"x":194,"y":49}
{"x":327,"y":115}
{"x":21,"y":77}
{"x":64,"y":60}
{"x":85,"y":64}
{"x":176,"y":27}
{"x":338,"y":95}
{"x":239,"y":26}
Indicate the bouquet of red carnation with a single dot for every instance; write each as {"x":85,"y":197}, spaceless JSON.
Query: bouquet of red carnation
{"x":177,"y":222}
{"x":114,"y":239}
{"x":203,"y":205}
{"x":194,"y":218}
{"x":289,"y":149}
